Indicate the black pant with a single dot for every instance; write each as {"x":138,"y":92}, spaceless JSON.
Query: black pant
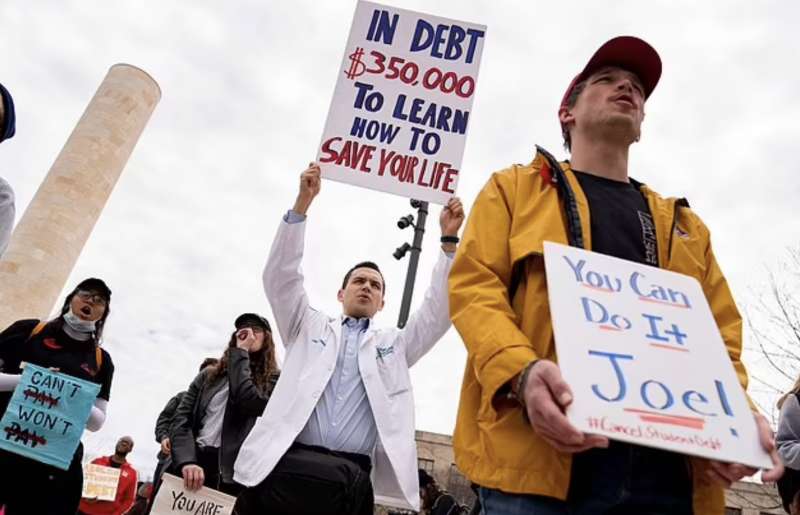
{"x":28,"y":486}
{"x":312,"y":480}
{"x":630,"y":479}
{"x":208,"y":460}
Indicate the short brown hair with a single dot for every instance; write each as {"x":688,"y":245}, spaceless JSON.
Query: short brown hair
{"x":571,"y":100}
{"x":365,"y":264}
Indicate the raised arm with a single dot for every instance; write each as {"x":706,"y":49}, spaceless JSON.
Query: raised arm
{"x":429,"y":323}
{"x":283,"y":278}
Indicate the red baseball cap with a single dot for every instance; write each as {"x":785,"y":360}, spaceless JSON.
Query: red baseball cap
{"x":627,"y":52}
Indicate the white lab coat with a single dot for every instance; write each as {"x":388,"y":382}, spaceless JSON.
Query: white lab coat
{"x":312,"y":343}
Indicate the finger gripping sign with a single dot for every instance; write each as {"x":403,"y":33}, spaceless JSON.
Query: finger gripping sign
{"x":172,"y":499}
{"x":45,"y":418}
{"x":643,"y":355}
{"x":402,"y":103}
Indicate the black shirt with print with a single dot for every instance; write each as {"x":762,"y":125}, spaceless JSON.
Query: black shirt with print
{"x":52,"y":348}
{"x":622,"y":226}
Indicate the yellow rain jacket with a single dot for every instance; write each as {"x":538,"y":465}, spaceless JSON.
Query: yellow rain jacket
{"x":500,"y":256}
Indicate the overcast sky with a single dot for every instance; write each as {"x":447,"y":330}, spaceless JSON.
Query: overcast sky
{"x":246,"y":87}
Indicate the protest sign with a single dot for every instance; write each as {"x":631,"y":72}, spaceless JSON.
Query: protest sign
{"x":172,"y":498}
{"x":45,"y":418}
{"x":402,"y":103}
{"x":100,"y":482}
{"x":643,"y":355}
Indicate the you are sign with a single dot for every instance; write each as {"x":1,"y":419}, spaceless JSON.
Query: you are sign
{"x":45,"y":418}
{"x":173,"y":499}
{"x":642,"y":353}
{"x":402,"y":103}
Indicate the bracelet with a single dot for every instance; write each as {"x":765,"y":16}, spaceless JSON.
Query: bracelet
{"x":521,"y":380}
{"x":449,"y":239}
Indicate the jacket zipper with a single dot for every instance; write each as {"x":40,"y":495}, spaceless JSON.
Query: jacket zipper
{"x":574,"y":230}
{"x":681,"y":202}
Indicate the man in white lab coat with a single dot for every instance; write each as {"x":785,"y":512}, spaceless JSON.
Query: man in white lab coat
{"x":345,"y":389}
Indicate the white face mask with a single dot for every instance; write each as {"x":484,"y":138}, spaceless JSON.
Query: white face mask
{"x":77,"y":324}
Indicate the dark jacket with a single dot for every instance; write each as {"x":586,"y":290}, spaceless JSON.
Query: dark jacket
{"x":245,"y":404}
{"x":164,"y":422}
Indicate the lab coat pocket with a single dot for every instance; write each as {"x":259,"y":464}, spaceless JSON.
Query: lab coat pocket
{"x":394,"y":374}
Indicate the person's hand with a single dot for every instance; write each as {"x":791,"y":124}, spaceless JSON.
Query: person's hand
{"x":450,"y":221}
{"x":193,"y":477}
{"x":546,"y":399}
{"x":310,"y":183}
{"x":725,"y":474}
{"x":452,"y":217}
{"x":166,"y":446}
{"x":245,"y":338}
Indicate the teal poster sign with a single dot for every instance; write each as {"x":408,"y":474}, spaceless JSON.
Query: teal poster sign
{"x":46,"y":416}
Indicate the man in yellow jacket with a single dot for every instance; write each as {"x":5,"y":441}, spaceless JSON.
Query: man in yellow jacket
{"x":512,"y":437}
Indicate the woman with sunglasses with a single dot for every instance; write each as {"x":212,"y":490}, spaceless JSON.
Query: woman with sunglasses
{"x":69,"y":344}
{"x":221,"y":406}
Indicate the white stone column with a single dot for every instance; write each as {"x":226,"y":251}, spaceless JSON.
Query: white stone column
{"x":51,"y":234}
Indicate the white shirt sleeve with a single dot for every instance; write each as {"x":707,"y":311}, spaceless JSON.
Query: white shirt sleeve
{"x":97,"y":417}
{"x":7,"y":212}
{"x":9,"y":381}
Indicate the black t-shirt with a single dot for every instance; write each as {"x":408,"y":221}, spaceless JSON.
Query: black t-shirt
{"x":52,"y":348}
{"x":622,"y":226}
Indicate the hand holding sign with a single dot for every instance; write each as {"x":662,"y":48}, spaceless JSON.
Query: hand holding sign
{"x":725,"y":474}
{"x":193,"y":477}
{"x":452,"y":217}
{"x":310,"y":184}
{"x":547,"y":396}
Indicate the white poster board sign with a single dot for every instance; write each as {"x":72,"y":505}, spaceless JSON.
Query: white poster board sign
{"x":640,"y":349}
{"x":172,"y":498}
{"x":100,"y":482}
{"x":402,"y":103}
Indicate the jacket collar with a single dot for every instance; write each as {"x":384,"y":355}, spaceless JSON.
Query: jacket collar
{"x":664,"y":210}
{"x":336,"y":324}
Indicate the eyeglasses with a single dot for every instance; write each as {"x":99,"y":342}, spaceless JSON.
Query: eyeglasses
{"x":94,"y":298}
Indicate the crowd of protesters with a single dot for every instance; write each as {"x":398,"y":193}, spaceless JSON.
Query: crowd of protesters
{"x":331,"y":431}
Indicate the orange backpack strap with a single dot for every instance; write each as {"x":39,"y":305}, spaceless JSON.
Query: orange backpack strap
{"x":38,"y":328}
{"x":98,"y":353}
